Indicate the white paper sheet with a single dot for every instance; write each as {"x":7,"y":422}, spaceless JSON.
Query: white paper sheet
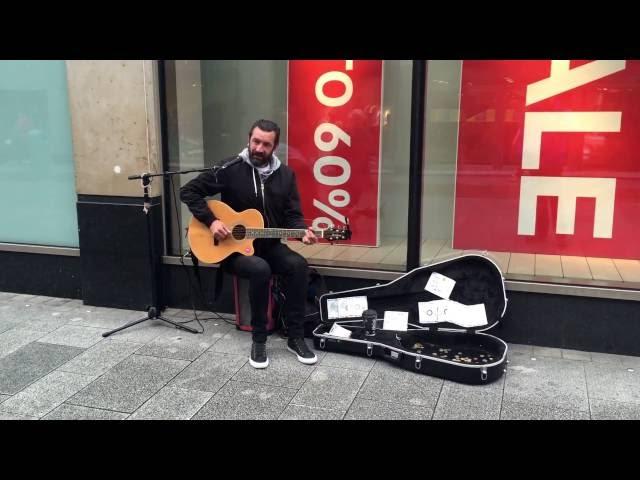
{"x":338,"y":331}
{"x":395,"y":321}
{"x":438,"y":311}
{"x":430,"y":312}
{"x":440,"y":285}
{"x":347,"y":307}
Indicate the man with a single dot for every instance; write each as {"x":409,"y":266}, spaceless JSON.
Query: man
{"x":257,"y":179}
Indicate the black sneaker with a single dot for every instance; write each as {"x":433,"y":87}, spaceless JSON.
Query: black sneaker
{"x":258,"y":357}
{"x":299,"y":347}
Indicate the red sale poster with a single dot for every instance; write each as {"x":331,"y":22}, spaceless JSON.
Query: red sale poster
{"x":549,"y":157}
{"x":334,"y":143}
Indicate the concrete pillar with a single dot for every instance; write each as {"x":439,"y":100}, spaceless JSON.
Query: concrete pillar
{"x":115,"y":120}
{"x":114,"y":107}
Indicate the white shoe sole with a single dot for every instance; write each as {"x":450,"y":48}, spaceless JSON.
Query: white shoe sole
{"x":306,"y":361}
{"x":258,"y":365}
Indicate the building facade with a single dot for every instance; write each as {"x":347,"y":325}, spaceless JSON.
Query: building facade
{"x":532,"y":162}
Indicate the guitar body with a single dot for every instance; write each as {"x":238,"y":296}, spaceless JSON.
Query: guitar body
{"x":209,"y":250}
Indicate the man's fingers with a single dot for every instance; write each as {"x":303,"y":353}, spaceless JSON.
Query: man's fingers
{"x":220,"y":234}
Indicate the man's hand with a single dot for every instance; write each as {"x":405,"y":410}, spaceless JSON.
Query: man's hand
{"x":309,"y":237}
{"x":219,"y":230}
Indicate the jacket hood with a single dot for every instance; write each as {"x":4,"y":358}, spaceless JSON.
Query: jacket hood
{"x":275,"y":161}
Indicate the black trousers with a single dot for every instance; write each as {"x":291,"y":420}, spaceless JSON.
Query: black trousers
{"x":291,"y":266}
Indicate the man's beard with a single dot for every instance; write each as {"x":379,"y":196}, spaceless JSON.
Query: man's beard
{"x":260,"y":160}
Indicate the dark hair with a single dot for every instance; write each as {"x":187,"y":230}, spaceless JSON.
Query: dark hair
{"x":267,"y":126}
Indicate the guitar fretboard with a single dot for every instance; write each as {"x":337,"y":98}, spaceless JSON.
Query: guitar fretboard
{"x":280,"y":233}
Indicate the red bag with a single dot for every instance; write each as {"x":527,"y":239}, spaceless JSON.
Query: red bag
{"x":243,"y":305}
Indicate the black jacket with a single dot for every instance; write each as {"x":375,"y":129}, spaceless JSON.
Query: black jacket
{"x":280,"y":206}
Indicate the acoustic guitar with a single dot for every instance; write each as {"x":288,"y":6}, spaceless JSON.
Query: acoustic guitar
{"x":245,"y":227}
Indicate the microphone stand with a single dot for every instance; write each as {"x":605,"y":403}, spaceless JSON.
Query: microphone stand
{"x":154,"y":310}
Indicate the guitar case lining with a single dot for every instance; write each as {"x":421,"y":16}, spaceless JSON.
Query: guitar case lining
{"x":445,"y":350}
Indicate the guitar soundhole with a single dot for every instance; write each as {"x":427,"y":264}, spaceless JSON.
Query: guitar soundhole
{"x":239,"y":232}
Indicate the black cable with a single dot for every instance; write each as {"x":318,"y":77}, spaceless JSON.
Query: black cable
{"x":186,"y":270}
{"x":191,"y":288}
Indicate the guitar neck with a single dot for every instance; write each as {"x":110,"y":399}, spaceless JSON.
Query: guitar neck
{"x":280,"y":233}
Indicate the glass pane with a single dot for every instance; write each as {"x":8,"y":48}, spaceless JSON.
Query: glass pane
{"x":37,"y":181}
{"x":441,"y":137}
{"x":534,"y":162}
{"x":211,"y":105}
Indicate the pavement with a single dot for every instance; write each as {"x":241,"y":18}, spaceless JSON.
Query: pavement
{"x":55,"y":365}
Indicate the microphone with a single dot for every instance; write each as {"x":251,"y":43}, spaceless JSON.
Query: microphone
{"x":217,"y":168}
{"x":238,"y":159}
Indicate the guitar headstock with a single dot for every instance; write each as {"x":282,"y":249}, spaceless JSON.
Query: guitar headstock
{"x":337,"y":233}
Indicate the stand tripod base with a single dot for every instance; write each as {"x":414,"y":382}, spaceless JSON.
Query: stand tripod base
{"x":152,"y":315}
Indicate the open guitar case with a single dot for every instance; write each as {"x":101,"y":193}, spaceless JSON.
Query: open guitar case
{"x":445,"y":350}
